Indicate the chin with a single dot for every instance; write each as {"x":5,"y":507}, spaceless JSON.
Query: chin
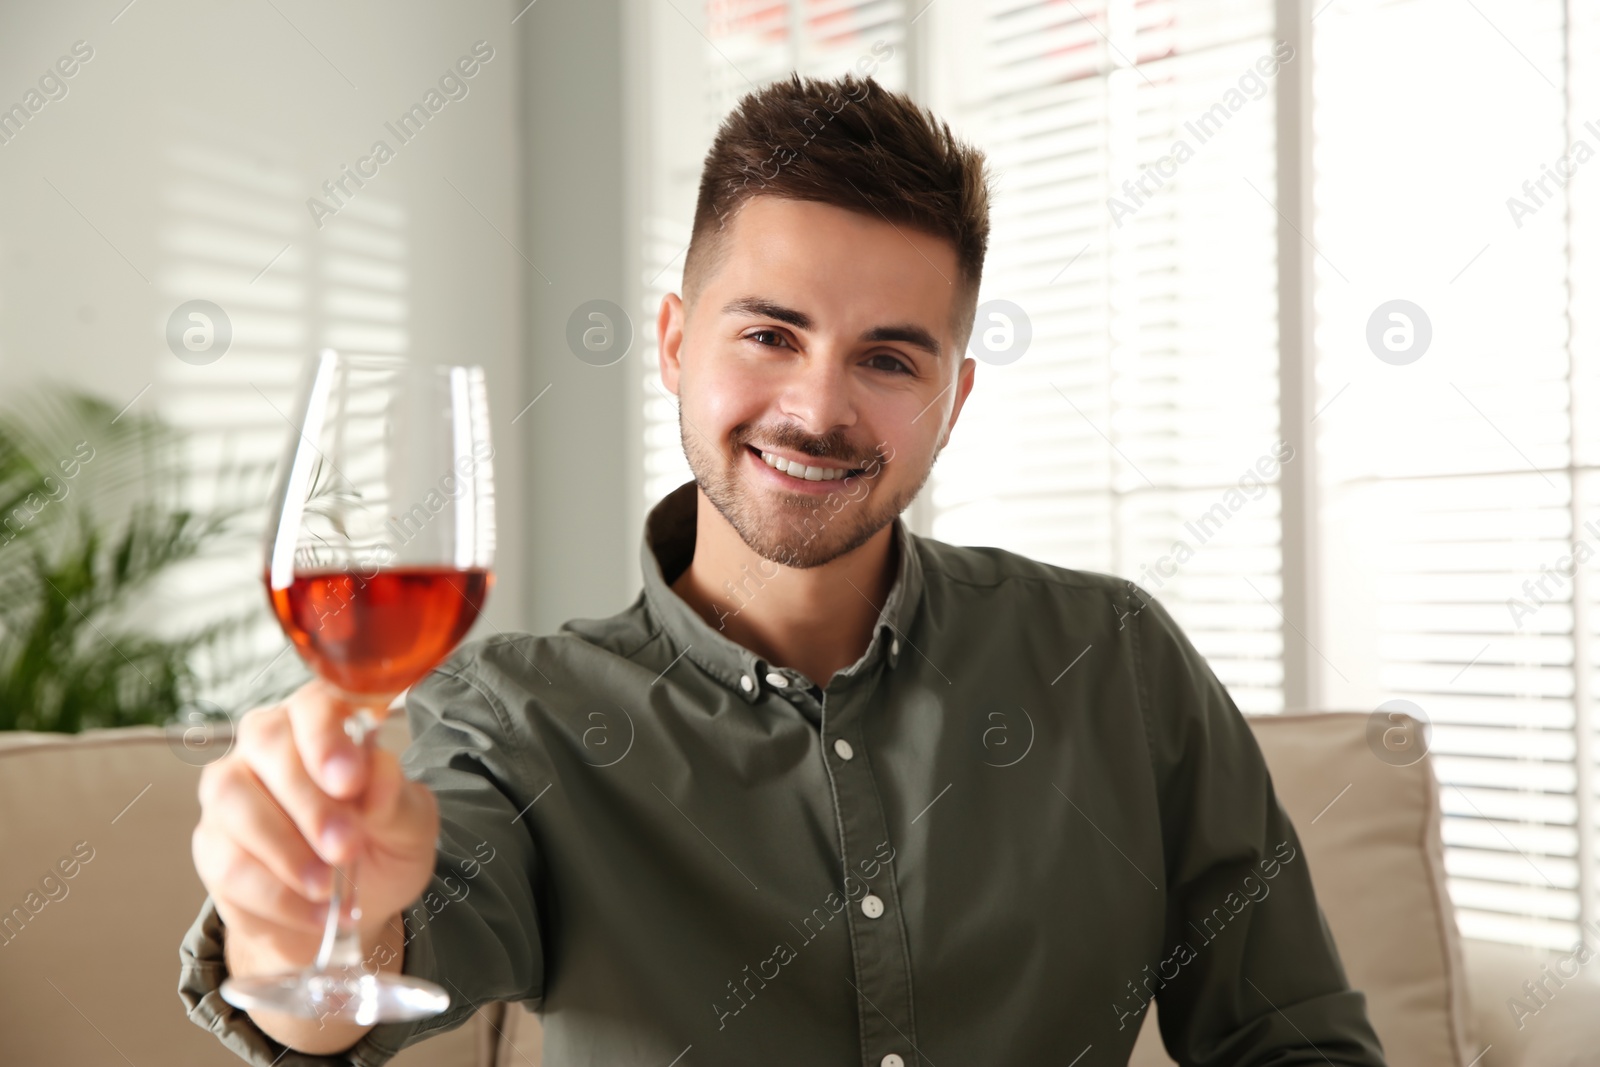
{"x":795,"y":551}
{"x":802,"y":526}
{"x":804,"y":531}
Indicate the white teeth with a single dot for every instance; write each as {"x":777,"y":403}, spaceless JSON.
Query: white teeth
{"x":800,"y":470}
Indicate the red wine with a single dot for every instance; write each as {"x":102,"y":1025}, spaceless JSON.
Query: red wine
{"x":378,"y":633}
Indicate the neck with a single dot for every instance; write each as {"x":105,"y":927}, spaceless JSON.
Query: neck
{"x":817,"y":621}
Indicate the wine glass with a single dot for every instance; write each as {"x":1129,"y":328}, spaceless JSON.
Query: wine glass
{"x":379,"y":540}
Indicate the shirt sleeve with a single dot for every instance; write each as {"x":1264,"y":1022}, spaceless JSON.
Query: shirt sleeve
{"x":474,"y":930}
{"x":1251,"y":975}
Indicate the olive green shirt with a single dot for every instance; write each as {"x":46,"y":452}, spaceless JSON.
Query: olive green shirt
{"x":1029,"y":808}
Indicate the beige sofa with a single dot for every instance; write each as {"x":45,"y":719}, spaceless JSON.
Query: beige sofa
{"x":90,"y":977}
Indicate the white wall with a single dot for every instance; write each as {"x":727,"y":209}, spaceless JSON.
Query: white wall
{"x":582,"y":436}
{"x":178,"y":166}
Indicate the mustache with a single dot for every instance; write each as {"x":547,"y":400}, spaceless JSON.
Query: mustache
{"x":831,"y":448}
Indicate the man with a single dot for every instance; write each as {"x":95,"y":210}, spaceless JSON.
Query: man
{"x":826,"y":792}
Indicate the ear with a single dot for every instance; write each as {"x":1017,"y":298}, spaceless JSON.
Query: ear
{"x":669,"y":340}
{"x":964,"y":381}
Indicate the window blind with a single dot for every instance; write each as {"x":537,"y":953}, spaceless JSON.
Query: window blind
{"x":1133,"y":226}
{"x":1453,"y":479}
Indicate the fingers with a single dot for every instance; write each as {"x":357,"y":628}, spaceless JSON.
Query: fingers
{"x":268,"y":749}
{"x":269,"y":831}
{"x":332,"y":760}
{"x":255,"y":822}
{"x":235,"y":877}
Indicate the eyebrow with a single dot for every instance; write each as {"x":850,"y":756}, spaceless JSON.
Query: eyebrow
{"x":907,"y":332}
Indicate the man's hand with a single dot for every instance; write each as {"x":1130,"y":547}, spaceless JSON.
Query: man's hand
{"x":294,"y":796}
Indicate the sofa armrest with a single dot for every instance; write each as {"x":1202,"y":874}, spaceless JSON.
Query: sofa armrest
{"x":521,"y":1037}
{"x":1551,"y":1021}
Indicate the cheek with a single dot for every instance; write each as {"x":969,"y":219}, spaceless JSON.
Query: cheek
{"x":909,"y":454}
{"x":907,"y":430}
{"x":727,"y":395}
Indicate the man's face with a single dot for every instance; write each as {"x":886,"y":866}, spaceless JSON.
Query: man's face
{"x":824,"y":340}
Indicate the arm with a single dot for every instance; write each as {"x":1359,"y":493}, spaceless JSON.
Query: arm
{"x":1252,"y":975}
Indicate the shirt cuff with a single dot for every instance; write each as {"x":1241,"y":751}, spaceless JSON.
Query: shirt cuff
{"x":204,"y":967}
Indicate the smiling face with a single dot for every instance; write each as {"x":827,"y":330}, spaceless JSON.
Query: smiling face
{"x":818,"y":374}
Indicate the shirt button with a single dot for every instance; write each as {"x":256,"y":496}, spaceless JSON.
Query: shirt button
{"x":872,"y":907}
{"x":894,"y":650}
{"x":746,"y":682}
{"x":777,"y":680}
{"x":842,"y":747}
{"x":892,"y":1060}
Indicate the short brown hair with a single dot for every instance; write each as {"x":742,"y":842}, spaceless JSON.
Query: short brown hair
{"x":851,"y":143}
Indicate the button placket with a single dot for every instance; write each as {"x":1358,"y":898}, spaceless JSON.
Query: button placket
{"x":877,"y":937}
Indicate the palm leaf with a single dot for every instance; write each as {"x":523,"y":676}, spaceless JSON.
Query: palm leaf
{"x":91,"y":519}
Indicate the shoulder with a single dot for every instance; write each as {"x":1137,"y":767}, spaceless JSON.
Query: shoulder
{"x":967,"y":570}
{"x":1062,"y":602}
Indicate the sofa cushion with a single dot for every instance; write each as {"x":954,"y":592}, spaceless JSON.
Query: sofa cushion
{"x":1370,"y":833}
{"x":89,"y":961}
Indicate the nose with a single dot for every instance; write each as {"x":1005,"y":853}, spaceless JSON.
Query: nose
{"x":817,"y":394}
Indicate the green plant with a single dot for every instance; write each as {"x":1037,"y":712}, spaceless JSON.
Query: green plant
{"x":92,"y":517}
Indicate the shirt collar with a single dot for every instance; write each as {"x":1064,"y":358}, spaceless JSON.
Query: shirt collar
{"x":667,"y":549}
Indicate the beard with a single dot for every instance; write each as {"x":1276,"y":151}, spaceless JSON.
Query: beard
{"x":793,"y":529}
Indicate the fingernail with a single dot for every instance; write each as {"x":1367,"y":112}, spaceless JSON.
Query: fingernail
{"x":335,"y":836}
{"x":340,"y":770}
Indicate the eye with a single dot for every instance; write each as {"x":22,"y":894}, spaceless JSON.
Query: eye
{"x":763,"y":333}
{"x":898,"y":365}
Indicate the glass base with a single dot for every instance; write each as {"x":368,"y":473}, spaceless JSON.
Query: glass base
{"x":356,"y":997}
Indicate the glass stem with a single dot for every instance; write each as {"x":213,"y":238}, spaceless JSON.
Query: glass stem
{"x":341,"y":936}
